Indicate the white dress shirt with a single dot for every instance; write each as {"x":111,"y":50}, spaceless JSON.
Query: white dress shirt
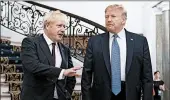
{"x":121,"y":39}
{"x":58,"y":60}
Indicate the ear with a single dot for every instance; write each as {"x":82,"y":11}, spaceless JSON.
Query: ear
{"x":123,"y":21}
{"x":47,"y":26}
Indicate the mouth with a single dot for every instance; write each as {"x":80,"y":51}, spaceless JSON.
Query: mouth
{"x":60,"y":34}
{"x":110,"y":25}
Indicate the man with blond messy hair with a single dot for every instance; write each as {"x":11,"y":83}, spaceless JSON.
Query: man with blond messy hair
{"x":48,"y":69}
{"x":117,"y":64}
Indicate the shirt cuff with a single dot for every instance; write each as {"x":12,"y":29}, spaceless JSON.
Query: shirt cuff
{"x":61,"y":76}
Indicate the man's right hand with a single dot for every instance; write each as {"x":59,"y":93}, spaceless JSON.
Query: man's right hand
{"x":71,"y":72}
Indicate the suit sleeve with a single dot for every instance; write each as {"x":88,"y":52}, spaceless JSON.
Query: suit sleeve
{"x":71,"y":81}
{"x":147,"y":78}
{"x":87,"y":73}
{"x":32,"y":64}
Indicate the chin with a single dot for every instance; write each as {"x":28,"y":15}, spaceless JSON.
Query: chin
{"x":110,"y":30}
{"x":59,"y":39}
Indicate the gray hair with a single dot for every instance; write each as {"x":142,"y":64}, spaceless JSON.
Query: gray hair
{"x":53,"y":16}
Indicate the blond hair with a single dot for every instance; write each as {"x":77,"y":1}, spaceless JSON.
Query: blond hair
{"x":118,"y":7}
{"x":53,"y":16}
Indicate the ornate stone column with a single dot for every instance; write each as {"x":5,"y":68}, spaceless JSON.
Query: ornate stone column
{"x":163,"y":45}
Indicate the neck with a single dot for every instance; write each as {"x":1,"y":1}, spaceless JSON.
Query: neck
{"x":157,"y":79}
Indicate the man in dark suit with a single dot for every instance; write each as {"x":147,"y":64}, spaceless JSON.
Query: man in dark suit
{"x":117,"y":64}
{"x":48,"y":69}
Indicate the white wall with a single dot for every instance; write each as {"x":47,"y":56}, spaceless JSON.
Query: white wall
{"x":15,"y":37}
{"x":149,"y":29}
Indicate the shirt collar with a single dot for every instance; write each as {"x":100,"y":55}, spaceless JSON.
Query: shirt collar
{"x":121,"y":34}
{"x":48,"y":40}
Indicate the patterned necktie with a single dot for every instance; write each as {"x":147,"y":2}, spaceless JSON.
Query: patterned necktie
{"x":115,"y":66}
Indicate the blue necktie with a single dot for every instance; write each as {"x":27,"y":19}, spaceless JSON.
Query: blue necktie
{"x":115,"y":66}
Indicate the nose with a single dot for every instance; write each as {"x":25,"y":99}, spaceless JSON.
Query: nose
{"x":109,"y":19}
{"x":63,"y":29}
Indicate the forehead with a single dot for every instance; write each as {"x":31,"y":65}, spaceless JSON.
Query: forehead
{"x":157,"y":73}
{"x":59,"y":21}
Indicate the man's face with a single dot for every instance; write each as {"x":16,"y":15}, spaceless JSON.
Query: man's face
{"x":114,"y":20}
{"x":56,"y":30}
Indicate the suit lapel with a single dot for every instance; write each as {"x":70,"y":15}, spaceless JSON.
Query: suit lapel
{"x":45,"y":48}
{"x":130,"y":45}
{"x":63,"y":56}
{"x":106,"y":55}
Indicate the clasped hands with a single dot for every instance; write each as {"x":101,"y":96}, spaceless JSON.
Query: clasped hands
{"x":72,"y":71}
{"x":161,"y":87}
